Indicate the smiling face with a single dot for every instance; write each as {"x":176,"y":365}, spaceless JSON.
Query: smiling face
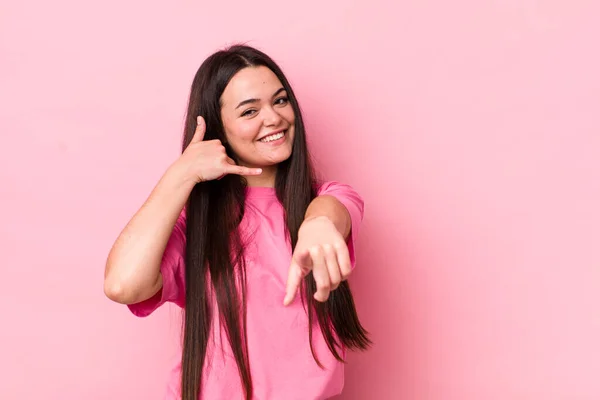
{"x":258,"y":119}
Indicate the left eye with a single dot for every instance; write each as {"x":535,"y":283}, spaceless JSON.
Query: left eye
{"x":282,"y":100}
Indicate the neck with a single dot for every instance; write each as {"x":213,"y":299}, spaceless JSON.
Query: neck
{"x":266,"y":179}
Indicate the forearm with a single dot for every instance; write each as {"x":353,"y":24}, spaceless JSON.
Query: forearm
{"x":330,"y":207}
{"x":133,"y":265}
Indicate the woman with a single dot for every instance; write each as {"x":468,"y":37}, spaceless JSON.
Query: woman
{"x":216,"y":235}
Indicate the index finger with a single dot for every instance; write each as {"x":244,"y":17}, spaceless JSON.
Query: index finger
{"x":295,"y":275}
{"x":293,"y":283}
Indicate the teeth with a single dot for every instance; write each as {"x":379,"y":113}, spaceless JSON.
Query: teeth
{"x":272,"y":137}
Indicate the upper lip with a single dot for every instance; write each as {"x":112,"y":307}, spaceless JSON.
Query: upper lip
{"x":271,"y":133}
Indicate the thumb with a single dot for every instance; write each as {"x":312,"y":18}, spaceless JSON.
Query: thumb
{"x":200,"y":130}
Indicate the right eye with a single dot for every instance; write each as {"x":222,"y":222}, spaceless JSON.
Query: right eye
{"x":248,"y":113}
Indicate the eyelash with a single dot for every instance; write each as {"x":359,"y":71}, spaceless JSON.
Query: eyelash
{"x":285,"y":100}
{"x":247,"y":112}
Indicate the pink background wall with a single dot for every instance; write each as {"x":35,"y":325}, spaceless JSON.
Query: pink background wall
{"x":472,"y":128}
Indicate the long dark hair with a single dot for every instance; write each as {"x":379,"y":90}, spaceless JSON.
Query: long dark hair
{"x":214,"y":211}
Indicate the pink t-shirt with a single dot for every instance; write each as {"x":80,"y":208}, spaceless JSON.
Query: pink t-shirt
{"x":281,"y":363}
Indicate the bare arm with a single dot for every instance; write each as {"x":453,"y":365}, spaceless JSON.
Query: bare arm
{"x":133,"y":266}
{"x":330,"y":207}
{"x":321,"y":248}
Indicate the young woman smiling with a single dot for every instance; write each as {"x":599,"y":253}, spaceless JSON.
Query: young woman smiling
{"x":236,"y":227}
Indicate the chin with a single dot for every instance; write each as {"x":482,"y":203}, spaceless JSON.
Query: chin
{"x":272,"y":161}
{"x":282,"y":155}
{"x":272,"y":157}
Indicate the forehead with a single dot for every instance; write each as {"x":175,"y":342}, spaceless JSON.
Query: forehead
{"x":250,"y":82}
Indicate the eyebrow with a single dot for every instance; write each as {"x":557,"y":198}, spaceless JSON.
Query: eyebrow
{"x":243,"y":103}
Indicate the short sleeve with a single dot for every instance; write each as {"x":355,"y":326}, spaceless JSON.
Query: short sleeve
{"x":354,"y":203}
{"x":172,"y":269}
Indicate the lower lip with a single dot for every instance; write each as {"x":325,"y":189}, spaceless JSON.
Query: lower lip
{"x":276,"y":142}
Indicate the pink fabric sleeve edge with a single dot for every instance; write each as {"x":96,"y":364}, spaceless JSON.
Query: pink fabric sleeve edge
{"x":171,"y":264}
{"x":146,"y":307}
{"x":354,"y":203}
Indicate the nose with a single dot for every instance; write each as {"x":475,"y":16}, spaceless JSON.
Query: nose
{"x":271,"y":117}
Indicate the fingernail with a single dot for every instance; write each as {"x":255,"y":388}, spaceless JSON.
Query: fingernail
{"x":198,"y":120}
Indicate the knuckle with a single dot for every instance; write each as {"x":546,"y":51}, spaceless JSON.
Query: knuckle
{"x":340,"y":245}
{"x":316,"y":250}
{"x":328,"y":249}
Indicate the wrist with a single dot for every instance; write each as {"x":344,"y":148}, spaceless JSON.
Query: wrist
{"x":178,"y":177}
{"x":316,"y":219}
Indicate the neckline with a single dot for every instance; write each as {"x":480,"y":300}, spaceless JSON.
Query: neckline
{"x":260,"y":191}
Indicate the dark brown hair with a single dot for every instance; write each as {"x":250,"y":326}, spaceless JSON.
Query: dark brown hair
{"x":214,"y":211}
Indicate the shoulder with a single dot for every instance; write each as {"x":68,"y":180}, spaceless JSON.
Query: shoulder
{"x":335,"y":187}
{"x":344,"y":193}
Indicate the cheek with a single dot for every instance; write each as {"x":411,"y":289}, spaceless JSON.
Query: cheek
{"x":241,"y":133}
{"x":288,"y":115}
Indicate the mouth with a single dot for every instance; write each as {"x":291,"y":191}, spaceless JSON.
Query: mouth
{"x":273,"y":136}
